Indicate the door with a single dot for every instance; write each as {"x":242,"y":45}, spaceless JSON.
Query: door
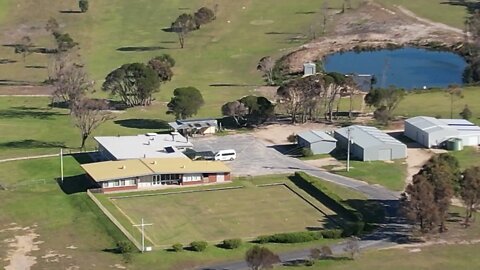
{"x":220,"y":177}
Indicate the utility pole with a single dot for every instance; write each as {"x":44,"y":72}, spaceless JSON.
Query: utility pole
{"x":348,"y":148}
{"x":143,"y":232}
{"x":61,"y":164}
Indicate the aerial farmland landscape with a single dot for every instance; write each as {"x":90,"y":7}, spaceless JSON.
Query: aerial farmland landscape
{"x":232,"y":135}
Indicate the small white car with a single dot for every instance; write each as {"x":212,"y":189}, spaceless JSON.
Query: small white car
{"x":224,"y":155}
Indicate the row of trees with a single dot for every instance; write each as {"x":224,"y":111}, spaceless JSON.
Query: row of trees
{"x":427,"y":199}
{"x":186,"y":23}
{"x":249,"y":109}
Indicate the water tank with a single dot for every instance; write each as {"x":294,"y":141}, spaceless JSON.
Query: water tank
{"x":455,"y":144}
{"x":309,"y":69}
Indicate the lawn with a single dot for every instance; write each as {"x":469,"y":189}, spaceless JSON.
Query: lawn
{"x":215,"y":215}
{"x":469,"y":156}
{"x":388,"y":174}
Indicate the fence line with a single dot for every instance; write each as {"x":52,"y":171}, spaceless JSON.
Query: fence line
{"x":68,"y":151}
{"x":114,"y":221}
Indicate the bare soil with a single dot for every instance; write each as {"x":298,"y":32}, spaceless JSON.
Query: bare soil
{"x":372,"y":25}
{"x":277,"y":134}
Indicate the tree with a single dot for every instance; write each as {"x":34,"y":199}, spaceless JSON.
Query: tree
{"x":184,"y":24}
{"x":352,"y":247}
{"x":70,"y":81}
{"x":134,"y":83}
{"x":259,"y":108}
{"x":185,"y":102}
{"x":455,"y":92}
{"x":162,"y":66}
{"x":203,"y":16}
{"x":322,"y":253}
{"x":418,"y":203}
{"x":385,"y":100}
{"x":266,"y":65}
{"x":235,"y":109}
{"x":23,"y":46}
{"x":466,"y":113}
{"x":83,"y":5}
{"x":89,"y":114}
{"x":470,"y":191}
{"x":64,"y":41}
{"x":258,"y":258}
{"x":52,"y":26}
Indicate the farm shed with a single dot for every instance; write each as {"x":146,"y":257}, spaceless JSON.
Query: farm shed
{"x":369,"y":143}
{"x":431,"y":132}
{"x":318,"y":142}
{"x":195,"y":126}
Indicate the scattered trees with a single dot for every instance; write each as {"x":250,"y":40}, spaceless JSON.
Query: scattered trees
{"x":185,"y":23}
{"x":455,"y":92}
{"x":385,"y":101}
{"x":466,"y":113}
{"x":186,"y":102}
{"x":83,"y":5}
{"x":266,"y":65}
{"x":64,"y":41}
{"x":23,"y":46}
{"x":52,"y":25}
{"x":470,"y":191}
{"x":258,"y":258}
{"x":162,"y":65}
{"x":235,"y":109}
{"x":70,"y":81}
{"x":133,"y":83}
{"x":251,"y":108}
{"x":89,"y":114}
{"x":203,"y":15}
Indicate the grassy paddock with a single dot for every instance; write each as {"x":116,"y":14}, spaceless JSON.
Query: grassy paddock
{"x":469,"y":156}
{"x":216,"y":215}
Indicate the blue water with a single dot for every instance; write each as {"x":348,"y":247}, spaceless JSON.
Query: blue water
{"x":407,"y":68}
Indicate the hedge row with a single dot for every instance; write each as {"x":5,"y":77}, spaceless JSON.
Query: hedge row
{"x":299,"y":237}
{"x":315,"y":188}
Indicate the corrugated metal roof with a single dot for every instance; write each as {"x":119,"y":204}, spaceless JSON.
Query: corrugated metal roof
{"x":313,"y":136}
{"x":366,"y":136}
{"x":452,"y":127}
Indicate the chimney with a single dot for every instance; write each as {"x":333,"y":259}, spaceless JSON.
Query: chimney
{"x":173,"y":136}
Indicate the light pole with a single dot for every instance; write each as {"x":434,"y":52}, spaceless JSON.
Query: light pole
{"x":61,"y":164}
{"x":143,"y":232}
{"x":349,"y":138}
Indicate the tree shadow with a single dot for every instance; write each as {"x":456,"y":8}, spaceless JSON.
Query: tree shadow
{"x":469,"y":5}
{"x":24,"y":112}
{"x":141,"y":48}
{"x":282,"y":33}
{"x":76,"y":184}
{"x":168,"y":42}
{"x":305,"y":12}
{"x":83,"y":158}
{"x":168,"y":30}
{"x":29,"y":143}
{"x":18,"y":83}
{"x":4,"y":61}
{"x":70,"y":11}
{"x":232,"y":85}
{"x":44,"y":50}
{"x":36,"y":67}
{"x":142,"y":123}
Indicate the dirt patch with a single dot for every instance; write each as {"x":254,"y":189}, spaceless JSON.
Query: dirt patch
{"x":325,"y":162}
{"x":26,"y":90}
{"x":277,"y":134}
{"x":18,"y":255}
{"x":415,"y":160}
{"x":372,"y":25}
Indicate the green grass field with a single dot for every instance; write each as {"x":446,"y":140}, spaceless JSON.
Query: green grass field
{"x":216,"y":215}
{"x":468,"y":157}
{"x":389,"y":175}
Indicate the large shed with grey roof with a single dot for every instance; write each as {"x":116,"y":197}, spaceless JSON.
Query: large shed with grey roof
{"x":431,"y":132}
{"x":318,"y":142}
{"x":369,"y":143}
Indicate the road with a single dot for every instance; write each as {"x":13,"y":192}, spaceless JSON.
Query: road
{"x":256,"y":158}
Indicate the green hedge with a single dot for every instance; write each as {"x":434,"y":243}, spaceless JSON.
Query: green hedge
{"x":355,"y":223}
{"x":198,"y":245}
{"x":232,"y":243}
{"x":177,"y":247}
{"x":293,"y":237}
{"x":331,"y":233}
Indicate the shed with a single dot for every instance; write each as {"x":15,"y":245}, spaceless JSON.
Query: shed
{"x":431,"y":132}
{"x":317,"y":141}
{"x":309,"y":69}
{"x":369,"y":143}
{"x":199,"y":126}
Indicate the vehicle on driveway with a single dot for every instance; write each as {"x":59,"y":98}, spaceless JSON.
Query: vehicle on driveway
{"x":224,"y":155}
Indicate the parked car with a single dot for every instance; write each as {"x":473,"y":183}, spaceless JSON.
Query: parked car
{"x":224,"y":155}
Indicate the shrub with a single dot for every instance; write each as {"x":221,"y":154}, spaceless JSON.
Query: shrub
{"x":83,"y":5}
{"x":353,"y":228}
{"x":306,"y":152}
{"x":292,"y":138}
{"x":124,"y":247}
{"x":232,"y":243}
{"x":198,"y":245}
{"x":177,"y":247}
{"x":294,"y":237}
{"x":466,"y":113}
{"x":332,"y":233}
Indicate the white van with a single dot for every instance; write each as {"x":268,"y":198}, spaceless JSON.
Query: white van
{"x":223,"y":155}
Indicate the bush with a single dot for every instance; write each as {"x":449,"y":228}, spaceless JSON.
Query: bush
{"x":353,"y":228}
{"x":292,"y":138}
{"x":83,"y":5}
{"x":306,"y":152}
{"x":294,"y":237}
{"x":332,"y":233}
{"x":124,"y":247}
{"x":177,"y":247}
{"x":232,"y":243}
{"x":198,"y":246}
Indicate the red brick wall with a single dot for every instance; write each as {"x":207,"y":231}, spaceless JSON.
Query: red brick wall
{"x":228,"y":177}
{"x":110,"y":189}
{"x":212,"y":178}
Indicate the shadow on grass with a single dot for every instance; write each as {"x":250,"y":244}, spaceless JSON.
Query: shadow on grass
{"x":282,"y":33}
{"x":28,"y":143}
{"x":76,"y":184}
{"x":23,"y":112}
{"x":18,"y":83}
{"x":471,"y":7}
{"x":141,"y":48}
{"x":305,"y":12}
{"x":142,"y":123}
{"x":35,"y":67}
{"x":232,"y":85}
{"x":4,"y":61}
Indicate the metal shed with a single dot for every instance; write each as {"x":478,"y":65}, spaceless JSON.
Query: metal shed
{"x":318,"y":142}
{"x":369,"y":143}
{"x":431,"y":132}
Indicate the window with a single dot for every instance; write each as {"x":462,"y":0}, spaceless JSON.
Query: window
{"x":156,"y":180}
{"x":227,"y":154}
{"x":116,"y":183}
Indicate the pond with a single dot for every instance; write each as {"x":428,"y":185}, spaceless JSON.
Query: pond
{"x":408,"y":68}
